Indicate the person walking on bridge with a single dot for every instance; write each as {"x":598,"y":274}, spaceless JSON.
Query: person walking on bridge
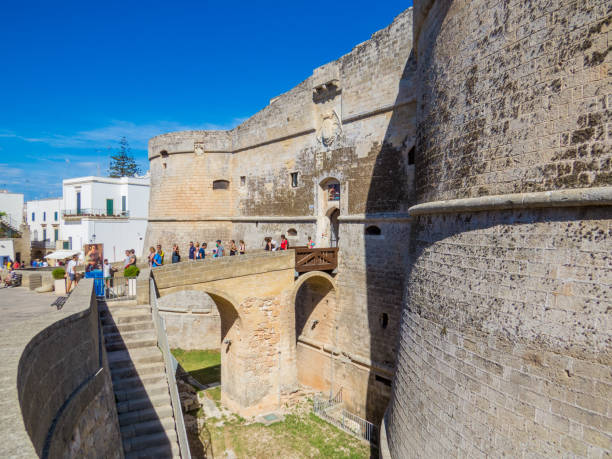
{"x":220,"y":248}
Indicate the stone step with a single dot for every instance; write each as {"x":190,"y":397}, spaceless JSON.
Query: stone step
{"x":106,"y":310}
{"x":161,"y":452}
{"x":147,"y":414}
{"x":134,"y":357}
{"x":143,"y":403}
{"x":133,"y":380}
{"x":125,"y":318}
{"x":128,"y":336}
{"x":141,"y":391}
{"x":147,"y":427}
{"x":147,"y":441}
{"x":143,"y":371}
{"x":135,"y":344}
{"x":129,"y":327}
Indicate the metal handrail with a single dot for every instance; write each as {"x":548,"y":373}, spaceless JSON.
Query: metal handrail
{"x":94,"y":213}
{"x":162,"y":343}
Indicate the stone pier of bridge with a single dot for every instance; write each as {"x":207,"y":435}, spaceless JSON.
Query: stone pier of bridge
{"x":254,"y":297}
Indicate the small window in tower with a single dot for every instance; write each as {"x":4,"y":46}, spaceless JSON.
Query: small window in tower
{"x":294,"y":179}
{"x":411,"y":156}
{"x":291,"y":232}
{"x":384,"y":320}
{"x":242,"y":180}
{"x":164,"y":154}
{"x":221,"y":185}
{"x":373,"y":231}
{"x":382,"y":379}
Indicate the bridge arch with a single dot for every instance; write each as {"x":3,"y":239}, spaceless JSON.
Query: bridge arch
{"x":251,"y":294}
{"x":315,"y":300}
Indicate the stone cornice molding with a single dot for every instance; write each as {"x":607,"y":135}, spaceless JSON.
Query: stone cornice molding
{"x":579,"y":197}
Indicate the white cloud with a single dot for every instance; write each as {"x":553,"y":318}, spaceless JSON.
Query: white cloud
{"x":137,"y":134}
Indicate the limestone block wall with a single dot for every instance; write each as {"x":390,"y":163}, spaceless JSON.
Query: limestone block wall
{"x":192,"y":320}
{"x":64,"y":385}
{"x":352,"y":120}
{"x":505,"y":343}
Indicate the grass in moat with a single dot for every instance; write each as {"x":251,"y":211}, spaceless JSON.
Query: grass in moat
{"x":300,"y":435}
{"x":204,"y":366}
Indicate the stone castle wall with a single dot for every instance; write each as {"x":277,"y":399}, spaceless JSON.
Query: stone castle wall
{"x":336,"y":124}
{"x":506,"y":340}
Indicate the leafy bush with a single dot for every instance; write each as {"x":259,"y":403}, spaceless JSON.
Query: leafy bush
{"x":58,"y":273}
{"x":131,"y":271}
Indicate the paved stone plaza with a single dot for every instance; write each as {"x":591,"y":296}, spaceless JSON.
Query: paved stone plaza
{"x":19,"y":304}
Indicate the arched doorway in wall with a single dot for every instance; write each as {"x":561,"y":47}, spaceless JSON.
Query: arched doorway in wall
{"x":315,"y":329}
{"x":328,"y":212}
{"x":334,"y":228}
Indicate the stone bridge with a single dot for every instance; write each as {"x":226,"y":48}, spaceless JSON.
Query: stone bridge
{"x":262,"y":307}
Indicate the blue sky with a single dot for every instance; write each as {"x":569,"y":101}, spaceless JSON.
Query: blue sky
{"x":76,"y":76}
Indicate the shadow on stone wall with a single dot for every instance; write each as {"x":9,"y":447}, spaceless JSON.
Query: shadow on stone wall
{"x":391,"y":191}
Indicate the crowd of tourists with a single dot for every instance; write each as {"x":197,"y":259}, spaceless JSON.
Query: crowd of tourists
{"x":199,"y":251}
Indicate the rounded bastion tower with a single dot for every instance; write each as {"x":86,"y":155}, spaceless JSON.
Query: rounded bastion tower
{"x":506,"y":335}
{"x":191,"y":188}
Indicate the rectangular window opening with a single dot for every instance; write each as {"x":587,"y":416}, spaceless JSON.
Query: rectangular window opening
{"x":123,"y":203}
{"x":294,"y":179}
{"x":55,"y":216}
{"x":382,"y":379}
{"x":44,"y":216}
{"x":33,"y":216}
{"x":242,"y":180}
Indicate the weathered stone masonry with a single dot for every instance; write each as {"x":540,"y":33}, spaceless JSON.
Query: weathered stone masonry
{"x":352,"y":121}
{"x":505,"y":344}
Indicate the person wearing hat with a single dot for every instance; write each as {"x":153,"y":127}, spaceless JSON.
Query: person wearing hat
{"x":219,"y":248}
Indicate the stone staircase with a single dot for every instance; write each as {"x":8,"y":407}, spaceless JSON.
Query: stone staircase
{"x":139,"y":381}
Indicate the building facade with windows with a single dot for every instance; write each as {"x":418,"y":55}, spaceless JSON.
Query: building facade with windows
{"x":43,"y":216}
{"x":105,"y":210}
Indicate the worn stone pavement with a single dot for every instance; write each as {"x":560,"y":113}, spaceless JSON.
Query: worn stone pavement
{"x":19,"y":304}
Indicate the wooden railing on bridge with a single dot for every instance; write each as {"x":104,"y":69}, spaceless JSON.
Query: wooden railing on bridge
{"x":317,"y":259}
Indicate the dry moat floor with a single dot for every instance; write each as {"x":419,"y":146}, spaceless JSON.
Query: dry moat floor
{"x":291,"y":432}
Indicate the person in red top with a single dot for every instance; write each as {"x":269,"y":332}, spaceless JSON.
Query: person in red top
{"x":284,"y":245}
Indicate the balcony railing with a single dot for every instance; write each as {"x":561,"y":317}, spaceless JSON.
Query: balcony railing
{"x":43,"y":244}
{"x":306,"y":259}
{"x":95,"y":213}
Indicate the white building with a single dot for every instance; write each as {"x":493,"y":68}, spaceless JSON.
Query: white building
{"x":104,"y":210}
{"x":44,"y":217}
{"x":12,"y":205}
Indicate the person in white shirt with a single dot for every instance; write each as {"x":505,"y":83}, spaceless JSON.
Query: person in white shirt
{"x":71,"y":273}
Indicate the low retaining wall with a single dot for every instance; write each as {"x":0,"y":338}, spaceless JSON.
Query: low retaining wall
{"x":61,"y":385}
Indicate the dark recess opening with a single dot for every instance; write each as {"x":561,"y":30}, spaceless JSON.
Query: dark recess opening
{"x":384,"y":320}
{"x":221,"y":185}
{"x":373,"y":231}
{"x":411,"y":156}
{"x":382,"y":379}
{"x":291,"y":232}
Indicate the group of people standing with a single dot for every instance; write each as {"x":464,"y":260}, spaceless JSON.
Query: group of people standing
{"x":198,"y":251}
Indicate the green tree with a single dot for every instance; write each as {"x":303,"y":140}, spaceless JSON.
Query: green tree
{"x":122,"y":163}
